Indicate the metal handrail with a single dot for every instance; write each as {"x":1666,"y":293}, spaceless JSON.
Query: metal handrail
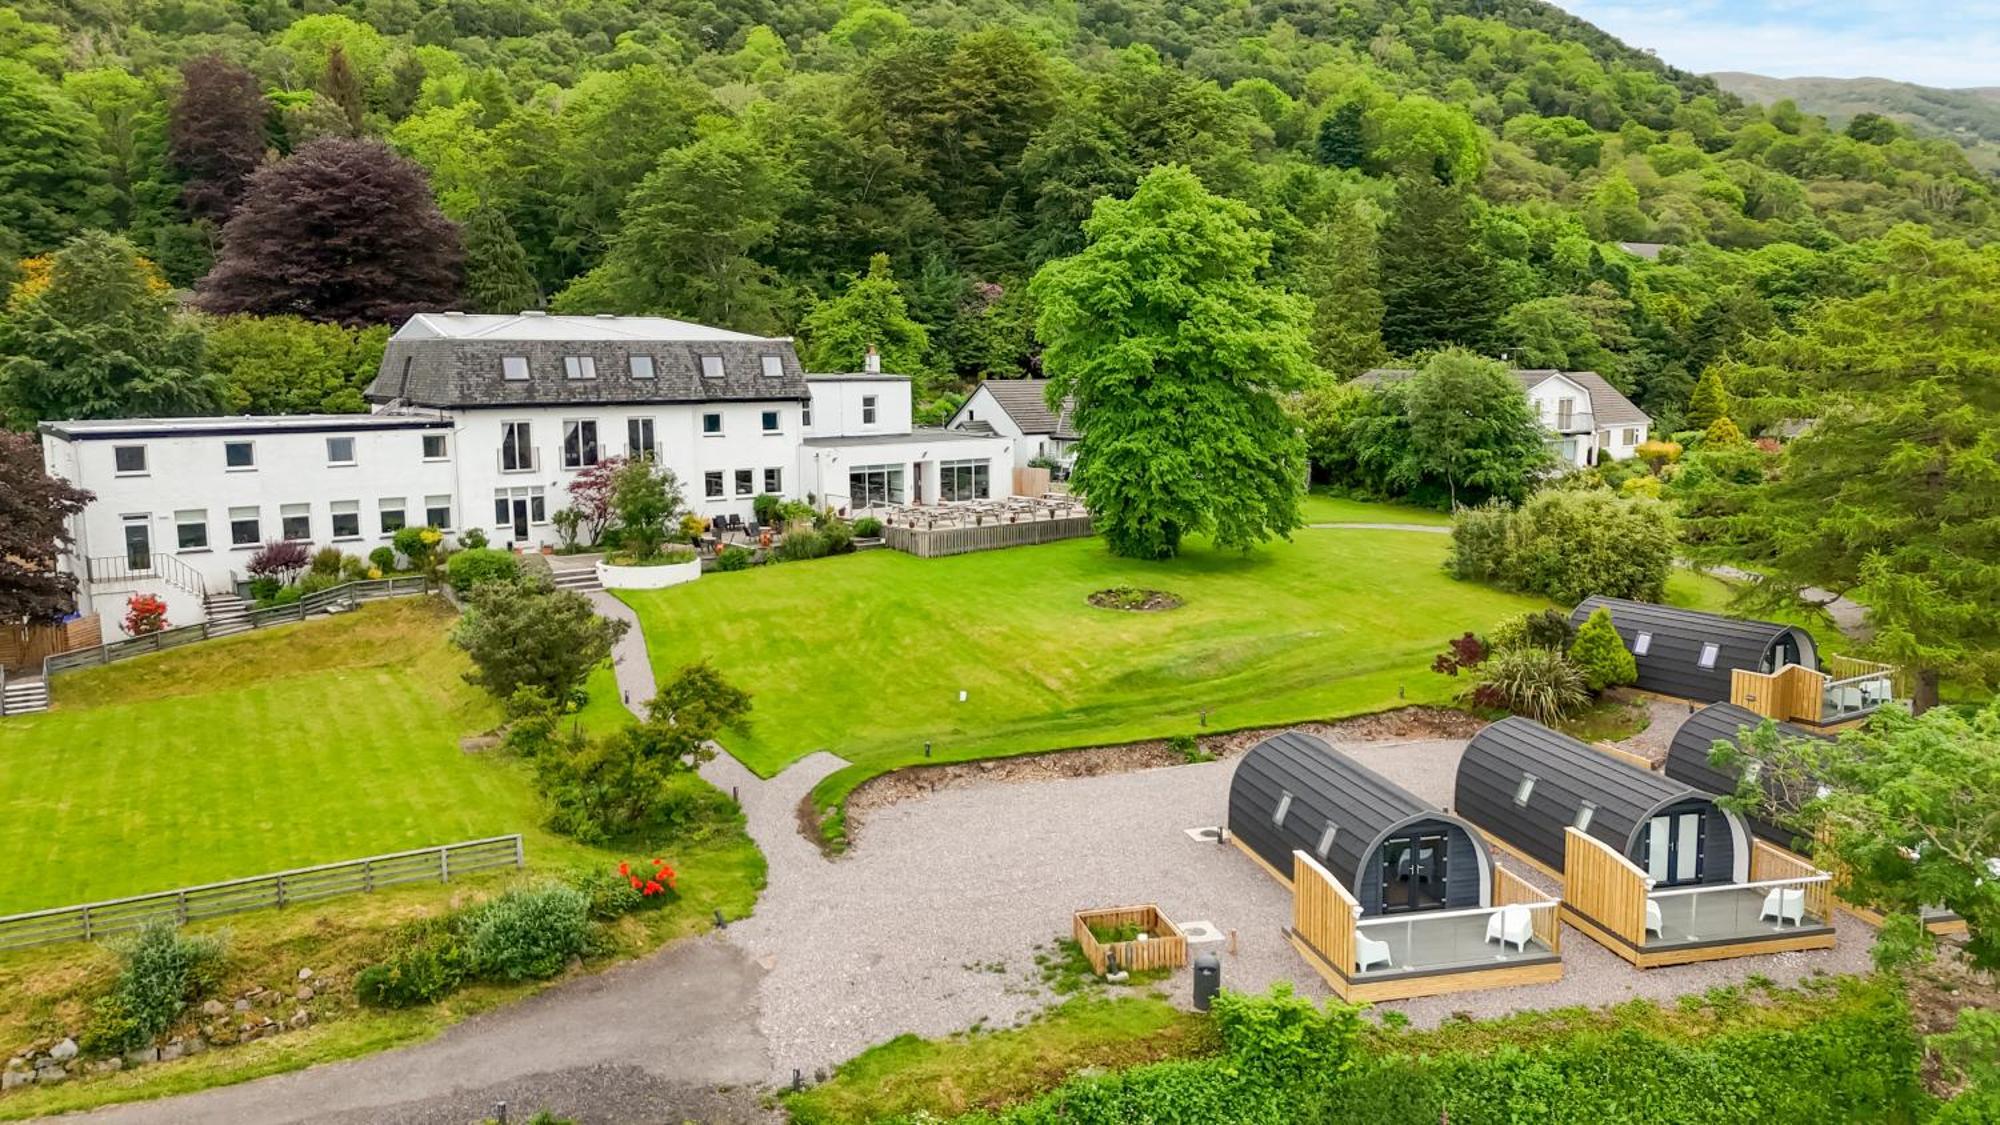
{"x":1794,"y":881}
{"x":1441,"y":915}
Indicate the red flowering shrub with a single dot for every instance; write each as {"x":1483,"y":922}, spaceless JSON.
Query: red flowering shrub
{"x":660,"y":883}
{"x":1466,"y":652}
{"x":144,"y":613}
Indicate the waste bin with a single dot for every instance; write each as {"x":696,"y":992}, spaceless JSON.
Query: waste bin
{"x":1207,"y":980}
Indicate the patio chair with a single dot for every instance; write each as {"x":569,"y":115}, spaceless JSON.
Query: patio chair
{"x":1512,"y":924}
{"x":1783,"y":903}
{"x":1368,"y":951}
{"x":1653,"y":923}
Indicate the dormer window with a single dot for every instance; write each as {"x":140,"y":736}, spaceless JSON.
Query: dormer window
{"x":711,"y":367}
{"x":1641,"y":644}
{"x":642,"y":367}
{"x":1709,"y":651}
{"x":579,"y":367}
{"x":514,"y":367}
{"x":774,"y":368}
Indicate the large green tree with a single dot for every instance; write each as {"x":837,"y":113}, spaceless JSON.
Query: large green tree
{"x":1439,"y":287}
{"x":1893,"y":494}
{"x":1340,"y":272}
{"x":497,"y":275}
{"x":50,"y":171}
{"x":290,"y":365}
{"x":871,"y":313}
{"x":1471,"y":427}
{"x":100,"y":339}
{"x":1175,"y":354}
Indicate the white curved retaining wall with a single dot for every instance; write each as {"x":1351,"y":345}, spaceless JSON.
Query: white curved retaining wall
{"x":647,"y":577}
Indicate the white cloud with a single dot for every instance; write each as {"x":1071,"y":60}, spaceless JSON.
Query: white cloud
{"x":1953,"y":43}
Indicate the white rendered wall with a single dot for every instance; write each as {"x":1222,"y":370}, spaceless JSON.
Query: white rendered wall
{"x":838,"y":405}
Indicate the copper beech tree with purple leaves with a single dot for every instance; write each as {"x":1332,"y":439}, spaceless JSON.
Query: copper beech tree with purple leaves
{"x":34,"y":528}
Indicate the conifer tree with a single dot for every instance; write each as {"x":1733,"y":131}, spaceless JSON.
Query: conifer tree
{"x":871,"y":313}
{"x":1600,"y":654}
{"x":1442,"y":289}
{"x":497,"y":276}
{"x":1710,"y":401}
{"x":342,"y":87}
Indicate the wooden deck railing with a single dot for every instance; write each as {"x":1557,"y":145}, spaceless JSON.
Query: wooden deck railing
{"x":1323,"y":913}
{"x":94,"y":920}
{"x":1768,"y":862}
{"x":1510,"y":889}
{"x":1603,"y":886}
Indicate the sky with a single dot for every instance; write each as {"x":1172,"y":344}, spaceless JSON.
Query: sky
{"x":1951,"y":43}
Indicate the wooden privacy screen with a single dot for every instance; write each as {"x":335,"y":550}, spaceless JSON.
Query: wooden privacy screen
{"x":1509,"y":889}
{"x":1605,"y":887}
{"x":1323,"y":913}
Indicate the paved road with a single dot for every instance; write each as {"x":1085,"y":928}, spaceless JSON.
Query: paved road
{"x":671,"y":1038}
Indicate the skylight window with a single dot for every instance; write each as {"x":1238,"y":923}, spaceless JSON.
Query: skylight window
{"x":513,"y":367}
{"x":1709,"y":651}
{"x":579,"y":367}
{"x":1526,"y":787}
{"x":774,"y":368}
{"x":1642,"y":644}
{"x":711,"y":367}
{"x":1326,"y":840}
{"x":642,"y":367}
{"x":1583,"y":816}
{"x":1284,"y":806}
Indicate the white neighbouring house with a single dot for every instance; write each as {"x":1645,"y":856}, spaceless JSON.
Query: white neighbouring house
{"x":483,"y":421}
{"x":1587,"y":419}
{"x":1018,"y":409}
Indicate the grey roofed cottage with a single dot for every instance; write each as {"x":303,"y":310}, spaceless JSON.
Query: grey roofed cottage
{"x":1688,"y":757}
{"x":1026,"y":401}
{"x":1525,"y":784}
{"x":1293,"y":792}
{"x":1607,"y":404}
{"x":1689,"y":654}
{"x":447,"y":360}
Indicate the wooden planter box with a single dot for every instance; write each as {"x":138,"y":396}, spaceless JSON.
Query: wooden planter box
{"x":1164,"y":948}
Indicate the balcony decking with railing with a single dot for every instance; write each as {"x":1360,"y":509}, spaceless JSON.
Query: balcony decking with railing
{"x":1849,"y":689}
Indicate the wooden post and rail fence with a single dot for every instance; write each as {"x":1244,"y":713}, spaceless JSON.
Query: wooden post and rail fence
{"x":111,"y":917}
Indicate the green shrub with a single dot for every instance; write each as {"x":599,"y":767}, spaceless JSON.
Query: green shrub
{"x":1568,"y":544}
{"x":1544,"y":628}
{"x":766,"y":506}
{"x":734,"y":558}
{"x":838,"y":538}
{"x":288,"y":596}
{"x":867,"y":527}
{"x":315,"y":582}
{"x":801,"y":545}
{"x":610,"y":894}
{"x":1537,"y":682}
{"x":472,"y":538}
{"x":1599,"y":654}
{"x":327,"y":560}
{"x":353,"y":568}
{"x":264,"y":588}
{"x":383,"y":559}
{"x":430,"y":961}
{"x":1479,"y":543}
{"x":1280,"y":1038}
{"x":478,"y":565}
{"x":164,"y":969}
{"x":530,"y":933}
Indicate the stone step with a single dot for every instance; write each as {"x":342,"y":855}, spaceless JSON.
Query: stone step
{"x":22,"y":696}
{"x":224,"y":627}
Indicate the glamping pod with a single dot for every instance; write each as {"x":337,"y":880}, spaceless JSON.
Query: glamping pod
{"x":1691,"y":655}
{"x":1652,"y":868}
{"x":1293,"y":792}
{"x":1526,"y":784}
{"x":1688,"y":757}
{"x":1391,"y":898}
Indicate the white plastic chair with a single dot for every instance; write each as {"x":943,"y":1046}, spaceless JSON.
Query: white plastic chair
{"x":1653,"y":922}
{"x":1511,"y":924}
{"x":1785,"y":903}
{"x":1368,"y":951}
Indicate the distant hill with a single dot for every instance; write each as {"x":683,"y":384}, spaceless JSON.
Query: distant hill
{"x":1971,"y":116}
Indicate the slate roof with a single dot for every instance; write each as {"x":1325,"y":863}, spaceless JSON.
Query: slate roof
{"x":1608,"y":408}
{"x":448,"y":360}
{"x":1026,"y":401}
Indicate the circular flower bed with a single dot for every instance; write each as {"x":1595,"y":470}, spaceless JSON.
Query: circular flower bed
{"x":1135,"y":600}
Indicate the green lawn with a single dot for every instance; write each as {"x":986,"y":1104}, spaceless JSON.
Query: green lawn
{"x":865,"y":655}
{"x":1321,"y":508}
{"x":329,"y":740}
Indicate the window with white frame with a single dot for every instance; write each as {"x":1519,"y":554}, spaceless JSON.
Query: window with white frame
{"x":340,"y":451}
{"x":243,"y":527}
{"x":530,"y":498}
{"x":346,"y":519}
{"x":1284,"y":806}
{"x":1524,"y":790}
{"x":394,"y":512}
{"x":1709,"y":651}
{"x":579,"y":444}
{"x":514,"y":368}
{"x":295,"y":522}
{"x":1642,"y":644}
{"x":806,"y":413}
{"x":128,"y":460}
{"x":517,"y":448}
{"x":711,"y":484}
{"x":641,"y":366}
{"x":744,"y":482}
{"x":873,"y":486}
{"x":711,"y":367}
{"x":639,"y":438}
{"x":1583,"y":814}
{"x":436,"y":447}
{"x":964,"y":480}
{"x":774,"y":481}
{"x":711,"y":424}
{"x":774,"y":367}
{"x":191,"y":529}
{"x":867,"y":410}
{"x":437,"y":512}
{"x":1630,"y":436}
{"x":579,"y":367}
{"x":1326,"y":840}
{"x":770,"y":421}
{"x":239,"y":455}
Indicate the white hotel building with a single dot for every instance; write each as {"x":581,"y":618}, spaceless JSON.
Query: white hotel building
{"x":483,"y":421}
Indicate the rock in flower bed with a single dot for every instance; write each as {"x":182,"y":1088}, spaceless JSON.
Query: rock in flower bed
{"x":1135,"y":600}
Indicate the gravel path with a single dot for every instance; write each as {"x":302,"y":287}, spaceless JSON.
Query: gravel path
{"x":1663,"y":720}
{"x":629,"y":662}
{"x":1850,"y":617}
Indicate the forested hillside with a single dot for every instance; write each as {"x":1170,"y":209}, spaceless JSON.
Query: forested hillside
{"x":1452,"y":172}
{"x":1970,"y":117}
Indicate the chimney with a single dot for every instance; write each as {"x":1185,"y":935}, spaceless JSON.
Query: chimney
{"x":872,"y":362}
